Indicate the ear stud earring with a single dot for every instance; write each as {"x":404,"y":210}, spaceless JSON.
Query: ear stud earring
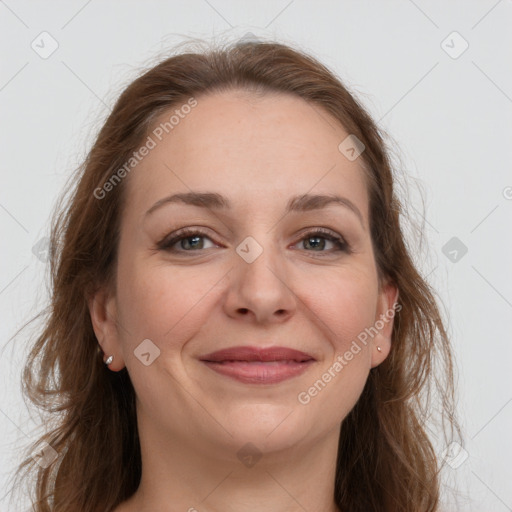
{"x":109,"y":360}
{"x":379,"y":349}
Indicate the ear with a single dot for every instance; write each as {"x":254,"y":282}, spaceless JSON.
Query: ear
{"x":387,"y":307}
{"x":103,"y":311}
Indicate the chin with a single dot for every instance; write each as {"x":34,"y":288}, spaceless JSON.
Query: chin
{"x":268,"y":426}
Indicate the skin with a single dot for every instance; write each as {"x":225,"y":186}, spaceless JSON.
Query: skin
{"x":257,"y":152}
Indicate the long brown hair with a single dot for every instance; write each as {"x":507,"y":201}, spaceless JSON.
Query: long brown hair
{"x":386,"y":461}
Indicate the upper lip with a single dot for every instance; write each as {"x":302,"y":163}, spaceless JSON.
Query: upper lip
{"x":248,"y":353}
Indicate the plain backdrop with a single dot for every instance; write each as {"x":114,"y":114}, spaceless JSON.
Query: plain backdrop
{"x":437,"y":77}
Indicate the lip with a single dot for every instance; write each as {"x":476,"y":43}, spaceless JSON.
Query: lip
{"x":255,"y":365}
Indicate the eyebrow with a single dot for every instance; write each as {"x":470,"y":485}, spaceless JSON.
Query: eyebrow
{"x":301,"y":203}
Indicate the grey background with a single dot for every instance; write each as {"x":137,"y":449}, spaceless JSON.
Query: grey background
{"x":449,"y":112}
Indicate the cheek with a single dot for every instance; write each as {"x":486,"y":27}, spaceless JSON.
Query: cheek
{"x":160,"y":303}
{"x":346,"y":309}
{"x":344,"y":302}
{"x":337,"y":385}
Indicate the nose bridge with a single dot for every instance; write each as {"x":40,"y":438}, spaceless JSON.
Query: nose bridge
{"x":260,"y":285}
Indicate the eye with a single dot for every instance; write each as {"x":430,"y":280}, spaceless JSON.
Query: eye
{"x":320,"y":237}
{"x":192,"y":240}
{"x":189,"y":240}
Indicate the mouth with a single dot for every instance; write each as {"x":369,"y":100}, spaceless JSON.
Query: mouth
{"x":253,"y":365}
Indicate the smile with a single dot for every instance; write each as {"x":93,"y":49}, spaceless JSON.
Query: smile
{"x":254,"y":365}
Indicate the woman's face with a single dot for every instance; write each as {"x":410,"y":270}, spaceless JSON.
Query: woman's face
{"x":257,"y":275}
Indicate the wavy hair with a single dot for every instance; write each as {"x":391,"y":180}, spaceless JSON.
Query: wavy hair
{"x":386,"y":460}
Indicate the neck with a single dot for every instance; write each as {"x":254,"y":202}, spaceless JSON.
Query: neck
{"x":195,"y":477}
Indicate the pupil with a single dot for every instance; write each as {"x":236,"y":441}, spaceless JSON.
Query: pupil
{"x":315,"y":238}
{"x":196,"y":238}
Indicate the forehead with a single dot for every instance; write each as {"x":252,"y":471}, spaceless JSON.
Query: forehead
{"x":271,"y":146}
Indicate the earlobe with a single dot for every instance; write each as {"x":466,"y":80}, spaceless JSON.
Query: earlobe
{"x":386,"y":310}
{"x":102,"y":309}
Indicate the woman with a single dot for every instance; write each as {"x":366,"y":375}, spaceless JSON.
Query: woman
{"x":236,"y":321}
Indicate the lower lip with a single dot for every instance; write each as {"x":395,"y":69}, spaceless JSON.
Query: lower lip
{"x":258,"y":372}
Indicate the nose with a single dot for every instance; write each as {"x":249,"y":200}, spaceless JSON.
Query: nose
{"x":260,"y":291}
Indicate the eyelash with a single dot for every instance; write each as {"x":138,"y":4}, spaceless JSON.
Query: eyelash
{"x":167,"y":243}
